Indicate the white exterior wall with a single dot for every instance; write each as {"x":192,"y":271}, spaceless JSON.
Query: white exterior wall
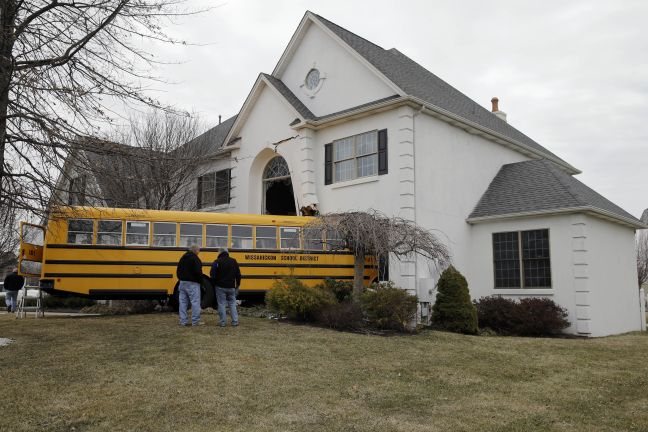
{"x":347,"y":82}
{"x":591,"y":270}
{"x":267,"y":123}
{"x":612,"y":278}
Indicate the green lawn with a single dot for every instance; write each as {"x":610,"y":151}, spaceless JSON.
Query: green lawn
{"x":144,"y":373}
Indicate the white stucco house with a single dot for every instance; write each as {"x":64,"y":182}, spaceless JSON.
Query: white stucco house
{"x":344,"y":124}
{"x":347,"y":125}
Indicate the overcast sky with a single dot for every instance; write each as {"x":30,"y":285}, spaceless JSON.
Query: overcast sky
{"x":571,"y":75}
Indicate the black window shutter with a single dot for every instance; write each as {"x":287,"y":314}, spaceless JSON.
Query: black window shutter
{"x":328,"y":164}
{"x":229,"y":185}
{"x":199,"y":193}
{"x":382,"y":152}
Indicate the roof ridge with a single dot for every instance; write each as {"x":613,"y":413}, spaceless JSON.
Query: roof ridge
{"x":350,"y":32}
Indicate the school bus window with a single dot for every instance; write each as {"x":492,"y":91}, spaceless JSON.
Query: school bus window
{"x":164,"y":234}
{"x":190,"y":234}
{"x":137,"y":233}
{"x":313,"y":239}
{"x":216,"y":236}
{"x":241,"y":236}
{"x":289,"y":238}
{"x":80,"y":231}
{"x":333,"y":240}
{"x":109,"y":232}
{"x":266,"y":237}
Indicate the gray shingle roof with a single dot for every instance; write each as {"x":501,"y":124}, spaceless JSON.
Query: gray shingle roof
{"x":417,"y":81}
{"x":541,"y":186}
{"x":290,"y":97}
{"x":212,"y":140}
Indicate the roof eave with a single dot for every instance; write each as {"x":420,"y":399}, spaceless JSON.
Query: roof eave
{"x":595,"y":211}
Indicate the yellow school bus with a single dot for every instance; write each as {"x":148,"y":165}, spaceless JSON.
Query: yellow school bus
{"x":112,"y":253}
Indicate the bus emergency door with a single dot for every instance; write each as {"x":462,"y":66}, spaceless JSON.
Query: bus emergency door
{"x":32,"y":239}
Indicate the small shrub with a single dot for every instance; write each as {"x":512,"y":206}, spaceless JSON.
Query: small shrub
{"x":528,"y":317}
{"x":291,"y":297}
{"x":453,"y":311}
{"x":346,"y":315}
{"x":388,"y":307}
{"x":497,"y":313}
{"x":342,"y":290}
{"x":541,"y":317}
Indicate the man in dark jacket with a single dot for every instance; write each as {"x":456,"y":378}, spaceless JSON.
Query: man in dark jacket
{"x":226,"y":277}
{"x":12,"y":284}
{"x":189,"y":274}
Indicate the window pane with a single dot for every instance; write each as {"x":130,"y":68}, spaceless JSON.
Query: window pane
{"x":506,"y":258}
{"x":333,"y":240}
{"x":164,"y":234}
{"x":216,"y":236}
{"x":367,"y":165}
{"x":536,"y":261}
{"x":266,"y":237}
{"x":80,"y":231}
{"x":222,"y":187}
{"x":367,"y":143}
{"x":289,"y":238}
{"x":109,"y":233}
{"x":208,"y":185}
{"x":345,"y":170}
{"x":343,"y":149}
{"x":137,"y":233}
{"x":216,"y":230}
{"x":241,"y":237}
{"x":190,"y":234}
{"x":313,"y":239}
{"x":164,"y":228}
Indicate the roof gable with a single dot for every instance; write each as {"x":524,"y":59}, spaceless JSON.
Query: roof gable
{"x":416,"y":81}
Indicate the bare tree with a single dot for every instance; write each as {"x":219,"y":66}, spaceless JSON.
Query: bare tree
{"x":64,"y":66}
{"x":642,"y":257}
{"x":151,"y":163}
{"x":8,"y":236}
{"x":374,"y":234}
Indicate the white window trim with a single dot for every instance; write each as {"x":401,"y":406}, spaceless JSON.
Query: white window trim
{"x":175,"y":239}
{"x":355,"y":157}
{"x":121,"y":232}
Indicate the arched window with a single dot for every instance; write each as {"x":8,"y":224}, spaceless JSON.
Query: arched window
{"x":277,"y":169}
{"x":278,"y":197}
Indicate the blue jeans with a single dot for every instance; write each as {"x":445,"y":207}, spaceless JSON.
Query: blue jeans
{"x":226,"y":295}
{"x":189,"y":292}
{"x":11,"y":300}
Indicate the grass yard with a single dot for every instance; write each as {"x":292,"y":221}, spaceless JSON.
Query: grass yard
{"x":144,"y":373}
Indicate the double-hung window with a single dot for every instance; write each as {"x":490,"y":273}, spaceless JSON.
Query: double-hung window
{"x":214,"y":188}
{"x":357,"y":156}
{"x":521,"y":259}
{"x":109,"y":232}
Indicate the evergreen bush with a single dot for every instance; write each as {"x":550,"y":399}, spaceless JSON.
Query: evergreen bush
{"x":291,"y":297}
{"x":386,"y":306}
{"x":453,"y":311}
{"x":498,"y":313}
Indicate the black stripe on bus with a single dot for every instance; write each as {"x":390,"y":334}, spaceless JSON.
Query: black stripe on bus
{"x":168,"y":276}
{"x":173,"y":263}
{"x":126,"y":292}
{"x":110,"y":275}
{"x":202,"y":249}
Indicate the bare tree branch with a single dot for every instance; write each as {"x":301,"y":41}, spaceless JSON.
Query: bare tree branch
{"x":372,"y":233}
